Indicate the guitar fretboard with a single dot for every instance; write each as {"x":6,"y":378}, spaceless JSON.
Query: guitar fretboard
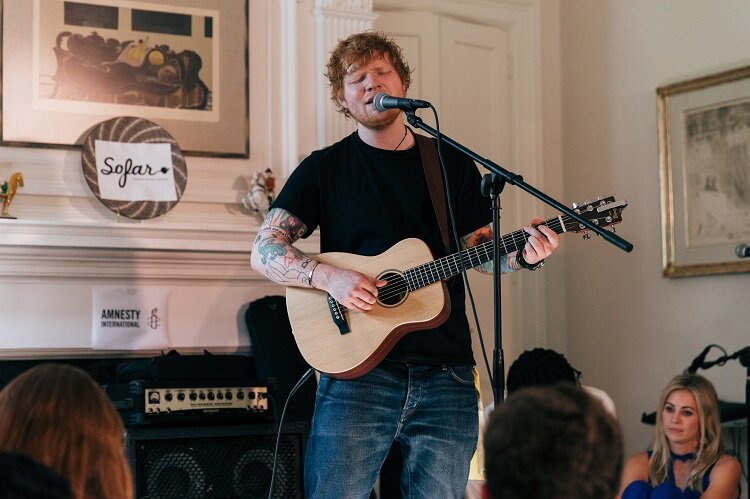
{"x":448,"y":266}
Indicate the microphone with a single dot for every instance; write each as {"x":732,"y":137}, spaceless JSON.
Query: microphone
{"x":383,"y":101}
{"x":698,"y":361}
{"x":742,"y":251}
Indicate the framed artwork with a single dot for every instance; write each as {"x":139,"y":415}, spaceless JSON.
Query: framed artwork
{"x":704,"y":156}
{"x":69,"y":65}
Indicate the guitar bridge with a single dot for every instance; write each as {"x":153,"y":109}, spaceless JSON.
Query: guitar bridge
{"x":337,"y":314}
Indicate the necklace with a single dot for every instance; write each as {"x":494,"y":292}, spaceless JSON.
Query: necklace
{"x":683,"y":457}
{"x":406,"y":130}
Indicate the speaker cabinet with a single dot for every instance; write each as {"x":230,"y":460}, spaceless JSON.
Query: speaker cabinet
{"x":213,"y":462}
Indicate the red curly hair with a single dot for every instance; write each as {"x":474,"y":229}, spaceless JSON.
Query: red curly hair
{"x":359,"y":49}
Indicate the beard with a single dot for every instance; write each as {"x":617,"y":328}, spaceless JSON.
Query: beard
{"x":374,"y":120}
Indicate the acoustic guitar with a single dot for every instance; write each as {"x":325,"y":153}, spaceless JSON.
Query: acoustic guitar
{"x":347,"y":343}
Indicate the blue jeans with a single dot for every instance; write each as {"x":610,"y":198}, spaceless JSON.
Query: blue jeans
{"x":430,"y":410}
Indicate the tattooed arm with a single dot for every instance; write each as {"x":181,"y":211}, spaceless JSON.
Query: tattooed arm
{"x":540,"y":243}
{"x":482,"y":235}
{"x":274,"y":256}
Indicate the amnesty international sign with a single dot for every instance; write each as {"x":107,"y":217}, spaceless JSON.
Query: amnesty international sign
{"x":132,"y":318}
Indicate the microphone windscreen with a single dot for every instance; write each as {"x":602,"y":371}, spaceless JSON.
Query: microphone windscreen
{"x":377,"y":102}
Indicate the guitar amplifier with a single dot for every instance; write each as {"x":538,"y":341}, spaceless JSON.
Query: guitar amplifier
{"x":145,"y":403}
{"x":169,"y":390}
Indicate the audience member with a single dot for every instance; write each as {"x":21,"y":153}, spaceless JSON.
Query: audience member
{"x":538,"y":367}
{"x":21,"y":477}
{"x":552,"y":442}
{"x":542,"y":367}
{"x":687,"y":460}
{"x":59,"y":416}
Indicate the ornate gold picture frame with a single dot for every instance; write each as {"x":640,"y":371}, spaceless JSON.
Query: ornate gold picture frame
{"x":704,"y":156}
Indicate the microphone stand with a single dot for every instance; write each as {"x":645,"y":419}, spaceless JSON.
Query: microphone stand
{"x":492,"y":186}
{"x":516,"y":180}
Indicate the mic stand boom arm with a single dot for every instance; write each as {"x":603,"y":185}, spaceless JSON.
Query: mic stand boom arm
{"x":517,"y":180}
{"x":498,"y":375}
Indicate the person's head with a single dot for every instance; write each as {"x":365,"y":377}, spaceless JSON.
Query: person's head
{"x":555,"y":442}
{"x":59,"y":416}
{"x":687,"y":420}
{"x":540,"y":367}
{"x":21,"y":477}
{"x":362,"y":65}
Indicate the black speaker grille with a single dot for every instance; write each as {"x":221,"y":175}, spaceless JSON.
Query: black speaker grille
{"x":217,"y":463}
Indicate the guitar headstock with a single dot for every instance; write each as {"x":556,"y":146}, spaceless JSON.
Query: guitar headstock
{"x":604,"y":212}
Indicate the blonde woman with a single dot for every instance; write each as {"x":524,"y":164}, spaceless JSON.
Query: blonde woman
{"x":687,"y":460}
{"x":59,"y":416}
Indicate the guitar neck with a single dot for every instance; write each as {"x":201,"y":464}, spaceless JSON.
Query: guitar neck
{"x":451,"y":265}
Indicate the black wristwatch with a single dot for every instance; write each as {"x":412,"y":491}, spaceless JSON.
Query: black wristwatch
{"x":523,"y":263}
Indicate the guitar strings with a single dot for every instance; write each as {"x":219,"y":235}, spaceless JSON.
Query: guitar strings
{"x":429,"y":272}
{"x":559,"y":224}
{"x":514,"y":238}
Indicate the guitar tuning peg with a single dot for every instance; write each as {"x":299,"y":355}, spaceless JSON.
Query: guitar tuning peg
{"x":586,"y":236}
{"x":599,"y":198}
{"x":574,"y":205}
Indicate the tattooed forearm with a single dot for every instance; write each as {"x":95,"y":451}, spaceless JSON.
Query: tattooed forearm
{"x":483,"y":235}
{"x":270,"y":248}
{"x":479,"y":236}
{"x":288,"y":275}
{"x":273,"y":251}
{"x":292,"y":267}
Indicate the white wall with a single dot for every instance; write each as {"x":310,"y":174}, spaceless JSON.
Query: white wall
{"x":628,"y":328}
{"x":64,"y":241}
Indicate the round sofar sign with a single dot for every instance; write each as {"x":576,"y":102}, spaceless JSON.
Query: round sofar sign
{"x":125,"y":130}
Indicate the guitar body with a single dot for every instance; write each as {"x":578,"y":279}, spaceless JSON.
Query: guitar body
{"x":372,"y":334}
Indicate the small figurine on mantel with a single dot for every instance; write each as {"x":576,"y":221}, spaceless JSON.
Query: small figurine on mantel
{"x":8,"y":192}
{"x":261,"y":193}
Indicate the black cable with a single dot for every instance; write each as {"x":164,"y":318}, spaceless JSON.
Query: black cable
{"x":301,"y":381}
{"x":700,"y":361}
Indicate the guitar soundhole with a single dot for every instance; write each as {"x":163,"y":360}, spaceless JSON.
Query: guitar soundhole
{"x":395,"y":292}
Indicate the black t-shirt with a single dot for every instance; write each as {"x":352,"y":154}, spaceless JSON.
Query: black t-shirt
{"x":366,"y":199}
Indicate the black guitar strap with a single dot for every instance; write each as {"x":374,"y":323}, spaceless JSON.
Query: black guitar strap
{"x":434,"y":177}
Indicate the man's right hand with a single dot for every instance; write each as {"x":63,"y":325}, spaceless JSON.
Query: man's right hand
{"x":350,"y":288}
